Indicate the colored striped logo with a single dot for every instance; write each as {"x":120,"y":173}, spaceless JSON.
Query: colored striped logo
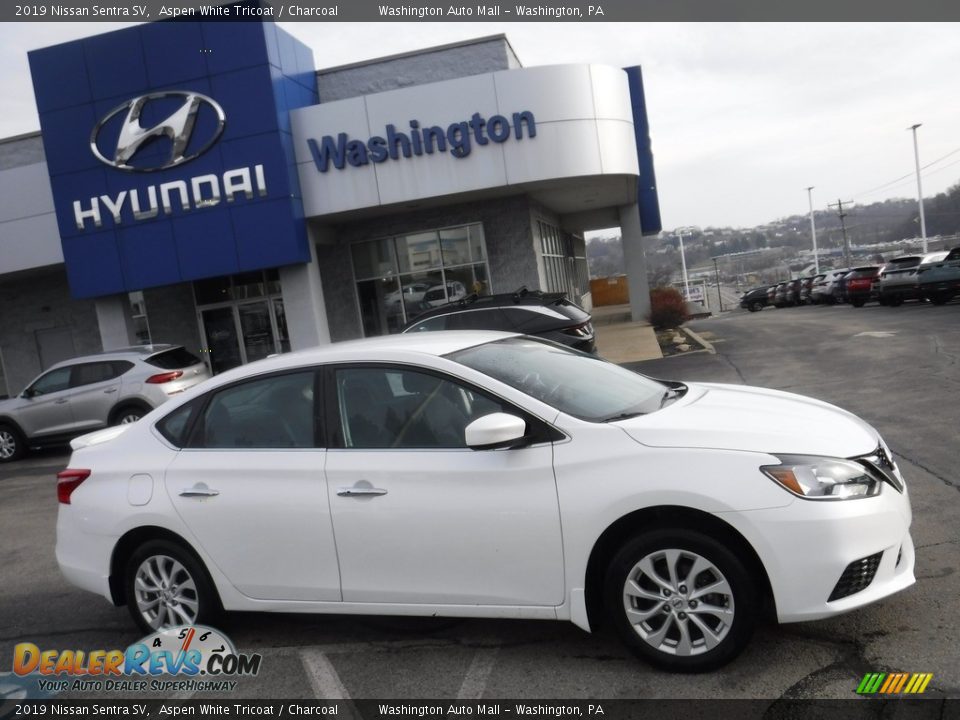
{"x":894,"y":683}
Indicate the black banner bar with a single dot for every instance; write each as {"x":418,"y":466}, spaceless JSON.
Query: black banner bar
{"x":492,"y":11}
{"x":856,"y":707}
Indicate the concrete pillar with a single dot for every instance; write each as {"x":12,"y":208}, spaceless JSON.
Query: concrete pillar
{"x":636,"y":265}
{"x":303,"y":303}
{"x":115,"y":322}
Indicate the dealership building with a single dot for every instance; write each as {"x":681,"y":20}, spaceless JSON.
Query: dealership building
{"x":203,"y":184}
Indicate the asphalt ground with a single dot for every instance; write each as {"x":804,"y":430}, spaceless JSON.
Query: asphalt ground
{"x":899,"y":368}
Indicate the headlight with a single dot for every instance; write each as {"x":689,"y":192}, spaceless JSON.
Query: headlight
{"x":822,"y":478}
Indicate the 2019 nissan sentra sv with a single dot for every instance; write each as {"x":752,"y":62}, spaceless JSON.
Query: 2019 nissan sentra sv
{"x":481,"y":474}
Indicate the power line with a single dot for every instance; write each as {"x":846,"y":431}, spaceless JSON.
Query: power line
{"x":910,"y":174}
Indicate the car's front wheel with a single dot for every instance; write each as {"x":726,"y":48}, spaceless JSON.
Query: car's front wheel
{"x":166,"y":586}
{"x":12,"y":446}
{"x":681,"y":600}
{"x":755,"y":306}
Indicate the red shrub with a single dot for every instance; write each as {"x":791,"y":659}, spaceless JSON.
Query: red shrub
{"x":668,"y":309}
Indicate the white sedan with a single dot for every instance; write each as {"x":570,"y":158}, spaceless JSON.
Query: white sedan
{"x":480,"y":474}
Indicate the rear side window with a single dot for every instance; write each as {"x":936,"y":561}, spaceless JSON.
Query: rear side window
{"x":491,"y":319}
{"x":267,"y":413}
{"x":953,"y":254}
{"x":90,"y":373}
{"x":175,"y":426}
{"x":173,"y":359}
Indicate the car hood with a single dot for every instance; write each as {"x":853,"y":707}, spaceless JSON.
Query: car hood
{"x":738,"y":417}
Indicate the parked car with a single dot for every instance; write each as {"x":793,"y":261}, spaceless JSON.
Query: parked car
{"x":755,"y":299}
{"x":547,"y":315}
{"x":437,"y":295}
{"x":832,"y":291}
{"x":806,"y":289}
{"x":772,"y":294}
{"x":780,"y":295}
{"x":485,"y":474}
{"x":411,"y":295}
{"x":793,"y":291}
{"x":898,"y":280}
{"x":859,"y":284}
{"x":76,"y":396}
{"x":939,"y":281}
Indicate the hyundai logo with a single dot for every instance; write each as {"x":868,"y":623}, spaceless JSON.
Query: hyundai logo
{"x":178,"y":127}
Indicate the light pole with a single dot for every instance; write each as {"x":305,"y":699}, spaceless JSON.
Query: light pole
{"x":683,"y":263}
{"x":813,"y":232}
{"x":717,"y":273}
{"x":916,"y":159}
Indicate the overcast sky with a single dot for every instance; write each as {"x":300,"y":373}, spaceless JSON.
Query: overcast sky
{"x":743,"y":117}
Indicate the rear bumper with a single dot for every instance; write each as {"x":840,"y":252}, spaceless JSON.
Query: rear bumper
{"x":83,"y":558}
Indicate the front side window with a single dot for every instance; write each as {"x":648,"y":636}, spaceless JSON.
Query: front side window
{"x":267,"y":413}
{"x":400,"y":408}
{"x":575,"y":383}
{"x":53,"y":381}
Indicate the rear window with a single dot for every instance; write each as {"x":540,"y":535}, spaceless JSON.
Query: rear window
{"x":864,"y":272}
{"x":954,"y":254}
{"x":173,"y":359}
{"x":904,"y":262}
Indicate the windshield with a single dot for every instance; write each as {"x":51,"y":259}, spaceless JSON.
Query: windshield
{"x":575,"y":383}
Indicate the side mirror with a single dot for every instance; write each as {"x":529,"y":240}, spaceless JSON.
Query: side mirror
{"x":496,"y":430}
{"x":28,"y":394}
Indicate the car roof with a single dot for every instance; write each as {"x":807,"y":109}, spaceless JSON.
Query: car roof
{"x":385,"y":348}
{"x":133,"y":352}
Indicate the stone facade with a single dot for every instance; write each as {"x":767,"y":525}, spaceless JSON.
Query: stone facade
{"x":37,"y":302}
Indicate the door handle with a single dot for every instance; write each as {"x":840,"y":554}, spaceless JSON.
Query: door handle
{"x":199,"y":492}
{"x":360,"y":491}
{"x":110,"y":390}
{"x":61,"y":401}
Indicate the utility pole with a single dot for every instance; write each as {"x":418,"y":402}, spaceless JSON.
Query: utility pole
{"x":916,"y":159}
{"x":717,"y":273}
{"x":813,"y":232}
{"x":843,"y":227}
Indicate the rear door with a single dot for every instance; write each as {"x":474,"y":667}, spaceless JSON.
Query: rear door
{"x":250,"y":486}
{"x":94,"y":390}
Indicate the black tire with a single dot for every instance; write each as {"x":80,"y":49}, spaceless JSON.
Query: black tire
{"x":734,"y":632}
{"x":755,"y":306}
{"x":128,"y":413}
{"x":940,"y":298}
{"x":12,"y":445}
{"x":181,"y":567}
{"x":857,"y":303}
{"x":895,"y":301}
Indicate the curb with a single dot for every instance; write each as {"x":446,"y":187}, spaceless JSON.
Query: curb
{"x":706,"y":345}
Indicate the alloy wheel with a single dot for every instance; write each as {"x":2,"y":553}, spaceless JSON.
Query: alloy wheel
{"x":165,"y":592}
{"x":8,"y":444}
{"x":678,"y":602}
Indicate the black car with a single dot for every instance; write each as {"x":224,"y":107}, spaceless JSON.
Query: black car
{"x":546,"y":315}
{"x":755,"y":299}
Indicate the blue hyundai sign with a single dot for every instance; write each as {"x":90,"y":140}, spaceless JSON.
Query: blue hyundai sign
{"x":169,"y":151}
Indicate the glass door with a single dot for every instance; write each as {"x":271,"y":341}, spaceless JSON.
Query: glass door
{"x":256,"y":330}
{"x":222,"y":338}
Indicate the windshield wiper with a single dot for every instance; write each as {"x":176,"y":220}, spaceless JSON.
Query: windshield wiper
{"x":673,"y":393}
{"x":622,"y":416}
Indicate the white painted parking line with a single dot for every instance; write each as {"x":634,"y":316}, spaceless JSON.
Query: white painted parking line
{"x":322,"y":676}
{"x":475,"y":682}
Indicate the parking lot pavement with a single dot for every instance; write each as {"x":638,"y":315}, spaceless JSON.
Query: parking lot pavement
{"x":899,"y":368}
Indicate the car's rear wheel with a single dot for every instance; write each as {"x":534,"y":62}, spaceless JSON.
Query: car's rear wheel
{"x":895,"y":301}
{"x":681,"y":600}
{"x":166,"y":587}
{"x":12,"y":445}
{"x":857,"y":303}
{"x":756,"y":305}
{"x":126,"y":414}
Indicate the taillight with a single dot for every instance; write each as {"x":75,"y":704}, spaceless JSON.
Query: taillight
{"x":67,"y":481}
{"x":164,"y":377}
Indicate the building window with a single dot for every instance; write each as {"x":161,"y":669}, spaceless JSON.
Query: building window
{"x":138,"y":312}
{"x":564,"y":261}
{"x":399,"y":277}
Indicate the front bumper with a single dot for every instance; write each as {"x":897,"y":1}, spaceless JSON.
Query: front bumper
{"x":806,"y":546}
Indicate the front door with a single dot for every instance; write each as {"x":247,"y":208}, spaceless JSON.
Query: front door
{"x":421,"y":518}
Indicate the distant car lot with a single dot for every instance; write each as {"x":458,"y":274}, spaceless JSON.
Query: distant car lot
{"x":887,"y":365}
